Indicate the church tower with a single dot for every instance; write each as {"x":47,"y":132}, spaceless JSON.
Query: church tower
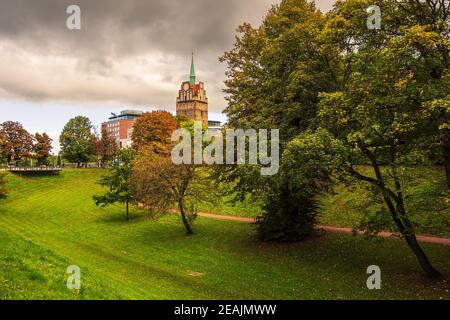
{"x":192,"y":101}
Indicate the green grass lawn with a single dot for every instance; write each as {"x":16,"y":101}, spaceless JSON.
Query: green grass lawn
{"x":49,"y":223}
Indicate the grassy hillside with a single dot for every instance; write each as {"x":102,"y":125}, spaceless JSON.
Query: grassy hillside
{"x":49,"y":223}
{"x":28,"y":271}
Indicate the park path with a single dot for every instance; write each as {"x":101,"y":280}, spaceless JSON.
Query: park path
{"x":384,"y":234}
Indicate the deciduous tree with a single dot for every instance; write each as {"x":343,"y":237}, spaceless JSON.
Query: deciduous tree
{"x":381,"y":94}
{"x":154,"y":129}
{"x":308,"y":169}
{"x":160,"y":185}
{"x":42,"y":147}
{"x":378,"y":111}
{"x":17,"y":142}
{"x":275,"y":73}
{"x":422,"y":30}
{"x":105,"y":147}
{"x":76,"y":140}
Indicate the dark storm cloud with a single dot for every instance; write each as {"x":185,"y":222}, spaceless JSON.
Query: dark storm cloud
{"x":117,"y":27}
{"x":134,"y":52}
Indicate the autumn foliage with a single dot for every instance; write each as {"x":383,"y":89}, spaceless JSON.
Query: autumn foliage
{"x":154,"y":129}
{"x":17,"y":143}
{"x":161,"y":186}
{"x":104,"y":147}
{"x":42,"y":147}
{"x":156,"y":182}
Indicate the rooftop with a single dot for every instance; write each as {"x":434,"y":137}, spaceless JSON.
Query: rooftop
{"x":126,"y":115}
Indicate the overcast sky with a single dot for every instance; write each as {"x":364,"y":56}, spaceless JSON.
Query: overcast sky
{"x":130,"y":54}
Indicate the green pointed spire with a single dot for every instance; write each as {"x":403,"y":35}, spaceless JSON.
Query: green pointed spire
{"x":192,"y":76}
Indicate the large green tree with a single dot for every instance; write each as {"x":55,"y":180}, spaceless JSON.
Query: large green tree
{"x":275,"y":74}
{"x":76,"y":140}
{"x":423,"y":28}
{"x":379,"y":112}
{"x":382,"y":95}
{"x":276,"y":71}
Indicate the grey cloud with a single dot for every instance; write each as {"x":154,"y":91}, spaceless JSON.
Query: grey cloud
{"x":134,"y":52}
{"x":117,"y":27}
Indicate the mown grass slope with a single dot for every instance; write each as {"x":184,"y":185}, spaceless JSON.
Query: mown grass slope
{"x":48,"y":223}
{"x":28,"y":271}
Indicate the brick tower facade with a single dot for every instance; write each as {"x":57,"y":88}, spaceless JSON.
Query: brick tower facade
{"x":192,"y":101}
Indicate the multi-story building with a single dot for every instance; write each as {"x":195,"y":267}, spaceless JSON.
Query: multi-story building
{"x":192,"y":101}
{"x":120,"y":126}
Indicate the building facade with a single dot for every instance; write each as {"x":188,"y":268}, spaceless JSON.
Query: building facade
{"x":214,"y":127}
{"x":192,"y":101}
{"x":120,"y":126}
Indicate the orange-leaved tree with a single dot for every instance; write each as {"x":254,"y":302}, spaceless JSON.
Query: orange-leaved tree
{"x":154,"y":129}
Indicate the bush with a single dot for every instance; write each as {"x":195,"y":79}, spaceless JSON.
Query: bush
{"x":307,"y":167}
{"x":287,"y":216}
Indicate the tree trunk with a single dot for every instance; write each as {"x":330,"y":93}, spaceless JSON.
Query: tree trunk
{"x":126,"y":216}
{"x":398,"y":212}
{"x":405,"y":229}
{"x":430,"y":271}
{"x":187,"y":226}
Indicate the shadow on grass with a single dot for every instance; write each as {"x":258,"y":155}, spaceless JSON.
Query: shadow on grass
{"x":117,"y":217}
{"x":344,"y":256}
